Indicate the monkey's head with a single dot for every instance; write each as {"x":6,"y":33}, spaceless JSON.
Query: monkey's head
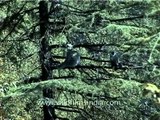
{"x":69,"y":46}
{"x":113,"y":53}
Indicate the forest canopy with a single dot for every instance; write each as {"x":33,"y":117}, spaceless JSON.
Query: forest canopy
{"x":80,"y":59}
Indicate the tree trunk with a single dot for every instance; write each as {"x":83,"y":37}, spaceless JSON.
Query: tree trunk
{"x":49,"y":112}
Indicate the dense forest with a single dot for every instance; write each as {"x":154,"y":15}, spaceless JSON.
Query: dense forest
{"x":79,"y":60}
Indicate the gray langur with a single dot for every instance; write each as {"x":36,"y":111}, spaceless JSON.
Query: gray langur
{"x":72,"y":58}
{"x":114,"y":60}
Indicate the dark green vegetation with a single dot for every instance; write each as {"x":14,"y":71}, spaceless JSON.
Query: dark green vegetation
{"x":33,"y":39}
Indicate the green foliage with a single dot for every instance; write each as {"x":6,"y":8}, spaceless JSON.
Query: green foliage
{"x":130,"y":27}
